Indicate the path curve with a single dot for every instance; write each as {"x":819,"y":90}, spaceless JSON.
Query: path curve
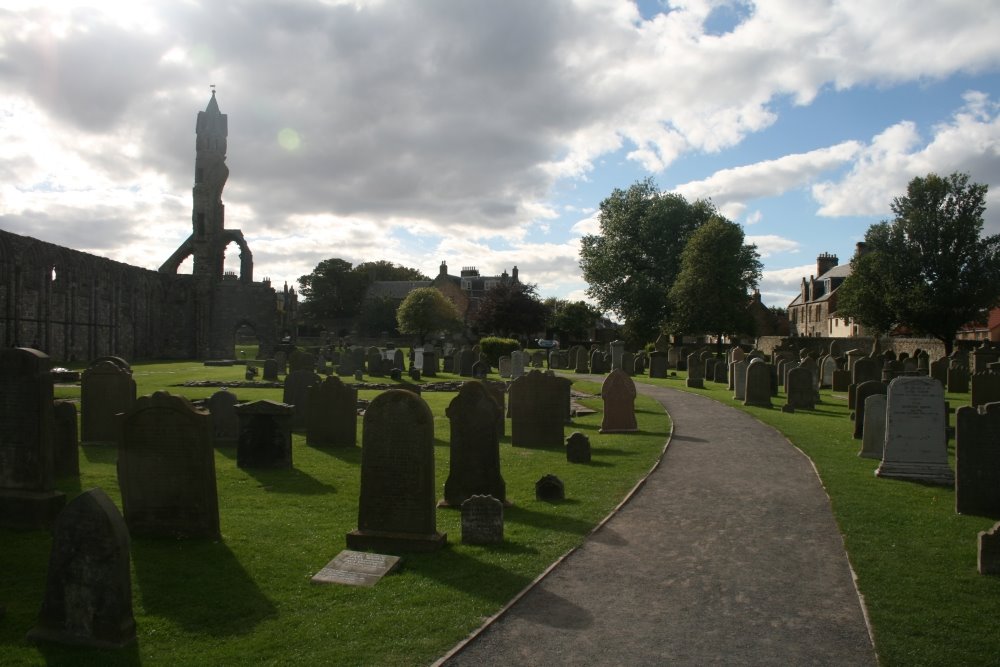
{"x":728,"y":555}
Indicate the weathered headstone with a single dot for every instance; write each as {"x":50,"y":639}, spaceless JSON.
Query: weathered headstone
{"x":841,"y":380}
{"x":282,"y":360}
{"x":597,"y":362}
{"x":475,"y":446}
{"x":537,"y":359}
{"x":639,"y":365}
{"x":373,"y":362}
{"x":582,"y":361}
{"x":989,"y":551}
{"x":346,"y":367}
{"x":332,"y":417}
{"x":482,"y":520}
{"x":758,"y":384}
{"x":915,"y":442}
{"x":430,"y":364}
{"x":861,"y":393}
{"x":958,"y":379}
{"x":356,"y":568}
{"x":827,"y":367}
{"x":296,"y":393}
{"x":618,"y":392}
{"x":550,"y":488}
{"x":939,"y":370}
{"x":166,"y":469}
{"x":873,"y":427}
{"x":88,"y":590}
{"x":739,"y":375}
{"x":865,"y":369}
{"x":617,"y":350}
{"x":985,"y":388}
{"x":578,"y":448}
{"x":106,"y":389}
{"x":538,"y":410}
{"x":516,"y":364}
{"x":977,"y":460}
{"x":627,"y":363}
{"x":695,"y":370}
{"x":396,"y":509}
{"x":299,"y":360}
{"x":225,"y":423}
{"x":265,"y":435}
{"x":480,"y":370}
{"x":799,"y":390}
{"x":398,"y":360}
{"x":270,"y":370}
{"x":28,"y":498}
{"x":65,"y":449}
{"x":504,"y":366}
{"x":657,"y":365}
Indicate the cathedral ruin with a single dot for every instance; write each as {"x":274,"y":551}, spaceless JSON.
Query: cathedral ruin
{"x":75,"y":306}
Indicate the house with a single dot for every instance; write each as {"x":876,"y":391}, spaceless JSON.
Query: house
{"x":814,"y":311}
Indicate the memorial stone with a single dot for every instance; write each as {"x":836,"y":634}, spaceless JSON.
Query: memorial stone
{"x":296,"y":393}
{"x":430,"y":364}
{"x":332,"y":416}
{"x":757,"y":391}
{"x":873,"y":427}
{"x":346,"y":367}
{"x":396,"y":508}
{"x":578,"y":448}
{"x":865,"y":369}
{"x":617,"y":350}
{"x":939,"y":370}
{"x":65,"y":449}
{"x":958,"y":379}
{"x":474,"y":467}
{"x":504,"y":366}
{"x":550,"y":489}
{"x":299,"y":360}
{"x":985,"y":388}
{"x":373,"y":362}
{"x":516,"y":364}
{"x":739,"y":374}
{"x":989,"y":551}
{"x":225,"y":423}
{"x":799,"y":390}
{"x":270,"y":370}
{"x":915,"y":442}
{"x":537,"y":359}
{"x":88,"y":590}
{"x":977,"y":460}
{"x":166,"y":469}
{"x":861,"y":394}
{"x":639,"y":365}
{"x":597,"y":362}
{"x":282,"y":360}
{"x":618,"y":392}
{"x":398,"y":361}
{"x":827,"y":369}
{"x":694,"y":378}
{"x":538,"y":409}
{"x":482,"y":520}
{"x":106,"y":389}
{"x":265,"y":435}
{"x":627,"y":363}
{"x":657,"y":365}
{"x":480,"y":370}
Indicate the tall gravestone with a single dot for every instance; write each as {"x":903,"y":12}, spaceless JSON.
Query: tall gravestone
{"x":430,"y":363}
{"x":396,"y":509}
{"x":597,"y":362}
{"x":799,"y":391}
{"x":863,"y":391}
{"x":758,"y":384}
{"x":28,"y":498}
{"x":695,"y":369}
{"x":627,"y":363}
{"x":475,"y":446}
{"x":538,"y":410}
{"x":466,"y":358}
{"x":827,"y":368}
{"x":373,"y":362}
{"x":582,"y":360}
{"x":739,"y":375}
{"x":332,"y":417}
{"x":516,"y":364}
{"x":225,"y":424}
{"x":504,"y":366}
{"x":166,"y":469}
{"x":617,"y":349}
{"x":958,"y":379}
{"x":65,"y":449}
{"x":106,"y":389}
{"x":265,"y":435}
{"x":916,"y":447}
{"x":88,"y":589}
{"x":988,"y":560}
{"x":657,"y":365}
{"x":977,"y":460}
{"x":865,"y":369}
{"x":985,"y":388}
{"x":939,"y":370}
{"x":873,"y":427}
{"x":296,"y":393}
{"x":618,"y":392}
{"x":270,"y":370}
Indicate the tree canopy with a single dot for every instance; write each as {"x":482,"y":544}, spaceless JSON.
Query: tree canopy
{"x":574,"y":319}
{"x":632,"y":263}
{"x":425,"y":311}
{"x":712,"y":292}
{"x":510,"y":308}
{"x":335,"y":289}
{"x":930,"y":268}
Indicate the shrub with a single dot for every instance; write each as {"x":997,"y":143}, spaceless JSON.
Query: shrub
{"x":494,"y":348}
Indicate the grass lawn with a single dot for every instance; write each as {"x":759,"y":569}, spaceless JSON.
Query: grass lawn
{"x":248,"y":598}
{"x":914,"y":557}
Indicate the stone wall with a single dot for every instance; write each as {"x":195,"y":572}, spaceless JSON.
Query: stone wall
{"x":933,"y":347}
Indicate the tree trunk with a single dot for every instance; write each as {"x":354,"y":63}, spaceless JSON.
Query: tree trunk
{"x":949,"y":344}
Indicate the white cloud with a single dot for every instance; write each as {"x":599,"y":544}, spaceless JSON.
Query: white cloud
{"x":771,"y":244}
{"x":753,"y":218}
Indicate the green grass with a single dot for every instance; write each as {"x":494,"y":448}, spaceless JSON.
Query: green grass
{"x":914,"y":557}
{"x":248,"y":597}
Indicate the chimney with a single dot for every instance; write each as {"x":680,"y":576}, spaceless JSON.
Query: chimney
{"x":859,"y":248}
{"x":825,"y":262}
{"x":444,"y":269}
{"x":513,"y":274}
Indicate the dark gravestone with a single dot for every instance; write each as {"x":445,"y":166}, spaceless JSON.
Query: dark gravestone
{"x":430,"y":364}
{"x":582,"y":361}
{"x":270,"y":370}
{"x":474,"y":467}
{"x":398,"y":360}
{"x":301,"y":361}
{"x":538,"y":410}
{"x":106,"y":390}
{"x":985,"y":388}
{"x":695,"y":379}
{"x":448,"y":363}
{"x":841,"y":380}
{"x":373,"y":362}
{"x":799,"y":390}
{"x":758,"y":384}
{"x":958,"y":379}
{"x":482,"y":520}
{"x":939,"y":370}
{"x":618,"y":392}
{"x":466,"y":358}
{"x":503,"y":366}
{"x":865,"y":369}
{"x":396,"y":510}
{"x":265,"y":439}
{"x":597,"y":362}
{"x":332,"y":417}
{"x":627,"y":363}
{"x":346,"y":367}
{"x":480,"y":370}
{"x":537,"y":359}
{"x":721,"y":371}
{"x":550,"y":488}
{"x":28,"y":498}
{"x":498,"y":392}
{"x":296,"y":393}
{"x":88,"y":591}
{"x":916,"y":447}
{"x":166,"y":469}
{"x":977,"y":460}
{"x":578,"y":448}
{"x":861,"y":393}
{"x":989,"y":551}
{"x":225,"y":423}
{"x":826,"y":369}
{"x":65,"y":449}
{"x":657,"y":365}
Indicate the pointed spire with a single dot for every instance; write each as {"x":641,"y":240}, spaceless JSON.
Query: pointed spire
{"x":213,"y":106}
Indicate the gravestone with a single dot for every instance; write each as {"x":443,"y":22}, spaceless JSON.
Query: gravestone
{"x":498,"y":392}
{"x":225,"y":423}
{"x":480,"y":370}
{"x":550,"y":489}
{"x":841,"y":380}
{"x":694,"y":378}
{"x":939,"y":370}
{"x":799,"y":391}
{"x":396,"y":508}
{"x":739,"y":375}
{"x":270,"y":370}
{"x":977,"y":460}
{"x":482,"y":520}
{"x":296,"y":393}
{"x":166,"y":469}
{"x":516,"y":364}
{"x":538,"y":410}
{"x":65,"y":449}
{"x":332,"y":417}
{"x":617,"y":350}
{"x":373,"y":362}
{"x":448,"y":362}
{"x":504,"y":367}
{"x":554,"y":361}
{"x":865,"y":369}
{"x":873,"y":427}
{"x":675,"y":356}
{"x":346,"y":367}
{"x":736,"y":354}
{"x":915,"y":442}
{"x":582,"y":361}
{"x":430,"y":364}
{"x":958,"y":379}
{"x":989,"y":551}
{"x":299,"y":360}
{"x":28,"y":498}
{"x":578,"y":448}
{"x":618,"y":392}
{"x":398,"y":361}
{"x":537,"y":359}
{"x":985,"y":388}
{"x":758,"y":384}
{"x":474,"y":467}
{"x":983,"y":356}
{"x":639,"y":365}
{"x":282,"y":360}
{"x":721,"y":372}
{"x":852,"y":358}
{"x":597,"y":362}
{"x":658,"y":365}
{"x":265,"y":436}
{"x":88,"y":589}
{"x":827,"y":368}
{"x":356,"y":568}
{"x":627,"y":363}
{"x":924,"y":362}
{"x":106,"y":389}
{"x":861,"y":393}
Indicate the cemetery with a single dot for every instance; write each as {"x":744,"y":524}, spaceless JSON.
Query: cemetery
{"x":385,"y":516}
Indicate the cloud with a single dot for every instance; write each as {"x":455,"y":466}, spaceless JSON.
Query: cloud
{"x":779,"y":286}
{"x":770,"y":244}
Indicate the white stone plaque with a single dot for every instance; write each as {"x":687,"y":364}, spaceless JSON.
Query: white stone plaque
{"x":356,"y":568}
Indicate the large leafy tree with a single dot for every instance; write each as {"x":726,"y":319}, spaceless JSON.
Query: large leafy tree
{"x":378,"y":315}
{"x":510,"y":308}
{"x":632,"y":263}
{"x":425,"y":311}
{"x":384,"y":270}
{"x":712,"y":290}
{"x":931,"y":265}
{"x":574,"y":319}
{"x":336,"y":290}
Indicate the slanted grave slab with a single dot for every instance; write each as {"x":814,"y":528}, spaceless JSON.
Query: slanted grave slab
{"x":356,"y":568}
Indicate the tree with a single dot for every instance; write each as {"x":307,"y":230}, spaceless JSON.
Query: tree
{"x":384,"y":270}
{"x":425,"y":311}
{"x":331,"y":291}
{"x":930,"y":268}
{"x":575,"y":319}
{"x":377,"y":315}
{"x":631,"y":265}
{"x":712,"y":290}
{"x":510,"y":308}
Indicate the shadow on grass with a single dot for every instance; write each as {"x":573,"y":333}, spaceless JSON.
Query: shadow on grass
{"x":608,"y":451}
{"x":347,"y":454}
{"x":546,"y":521}
{"x":289,"y":481}
{"x":474,"y":577}
{"x":198,"y":585}
{"x":686,"y":438}
{"x":56,"y":654}
{"x":100,"y":453}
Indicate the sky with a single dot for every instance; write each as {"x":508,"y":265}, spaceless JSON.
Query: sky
{"x":485,"y":134}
